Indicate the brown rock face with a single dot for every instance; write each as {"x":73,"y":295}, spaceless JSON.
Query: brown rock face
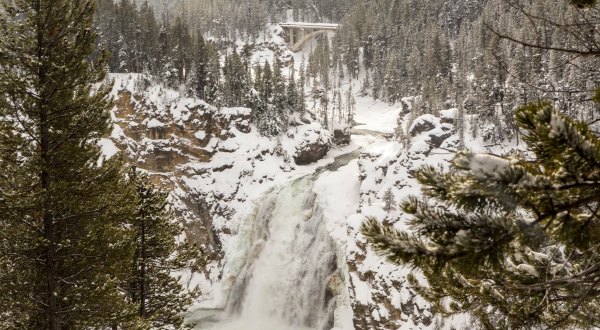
{"x":167,"y":146}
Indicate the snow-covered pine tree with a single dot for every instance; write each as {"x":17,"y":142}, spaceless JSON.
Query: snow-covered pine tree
{"x":159,"y":298}
{"x":199,"y":71}
{"x":63,"y":209}
{"x":388,"y":200}
{"x":235,"y":82}
{"x":513,"y":242}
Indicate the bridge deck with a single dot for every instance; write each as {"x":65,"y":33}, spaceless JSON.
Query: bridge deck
{"x":319,"y":26}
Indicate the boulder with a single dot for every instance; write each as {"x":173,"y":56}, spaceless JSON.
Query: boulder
{"x":448,"y":116}
{"x":422,"y":124}
{"x":341,"y":137}
{"x":311,"y":153}
{"x":437,"y":138}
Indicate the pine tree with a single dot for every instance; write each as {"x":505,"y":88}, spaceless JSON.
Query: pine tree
{"x":267,"y":83}
{"x":213,"y":78}
{"x":63,"y":208}
{"x":293,"y":99}
{"x":531,"y":228}
{"x":389,"y":200}
{"x":200,"y":74}
{"x":181,"y":51}
{"x":159,"y":297}
{"x":235,"y":81}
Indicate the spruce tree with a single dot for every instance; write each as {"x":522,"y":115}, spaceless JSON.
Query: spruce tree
{"x":388,"y":200}
{"x":235,"y":85}
{"x":63,"y":209}
{"x":159,"y":297}
{"x":513,"y":242}
{"x":213,"y":75}
{"x":200,"y":74}
{"x":267,"y":83}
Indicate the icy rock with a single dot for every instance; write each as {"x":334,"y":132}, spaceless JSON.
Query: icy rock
{"x":448,"y":116}
{"x":341,"y":137}
{"x":311,"y":153}
{"x":437,"y":138}
{"x":423,"y":124}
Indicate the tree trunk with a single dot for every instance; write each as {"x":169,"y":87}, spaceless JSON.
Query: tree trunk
{"x":52,"y":308}
{"x":143,"y":269}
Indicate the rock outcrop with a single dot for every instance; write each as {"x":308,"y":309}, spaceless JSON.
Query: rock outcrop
{"x":309,"y":144}
{"x":341,"y":137}
{"x":310,"y":153}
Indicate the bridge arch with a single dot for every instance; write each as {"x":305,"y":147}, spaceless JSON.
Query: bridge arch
{"x":298,"y":34}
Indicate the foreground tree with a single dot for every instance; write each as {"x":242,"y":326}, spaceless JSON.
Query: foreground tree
{"x":532,"y":227}
{"x":159,"y":298}
{"x":63,"y":209}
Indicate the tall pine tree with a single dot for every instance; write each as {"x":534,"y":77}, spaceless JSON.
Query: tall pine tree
{"x":158,"y":296}
{"x":63,"y":210}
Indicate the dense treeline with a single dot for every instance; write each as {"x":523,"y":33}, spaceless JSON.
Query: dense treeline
{"x":446,"y":54}
{"x":245,"y":19}
{"x":441,"y":52}
{"x":177,"y":55}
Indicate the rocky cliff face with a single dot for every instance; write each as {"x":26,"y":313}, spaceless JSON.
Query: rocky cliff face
{"x":213,"y":161}
{"x":380,"y":295}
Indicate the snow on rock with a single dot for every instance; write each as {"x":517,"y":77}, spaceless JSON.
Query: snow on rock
{"x":307,"y":143}
{"x":155,"y":123}
{"x":448,"y":116}
{"x":200,"y":135}
{"x":217,"y":166}
{"x":422,"y":124}
{"x":429,"y":132}
{"x":213,"y":161}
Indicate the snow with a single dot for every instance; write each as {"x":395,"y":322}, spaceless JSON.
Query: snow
{"x":247,"y":167}
{"x":449,"y":113}
{"x":155,"y":123}
{"x":109,"y":149}
{"x":235,"y":111}
{"x":485,"y":165}
{"x":338,"y":194}
{"x":304,"y":25}
{"x":200,"y":135}
{"x":376,"y":116}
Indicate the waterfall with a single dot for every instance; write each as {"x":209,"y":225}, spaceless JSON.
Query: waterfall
{"x":283,"y":284}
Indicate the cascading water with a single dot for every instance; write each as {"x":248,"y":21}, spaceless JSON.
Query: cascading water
{"x":283,"y":284}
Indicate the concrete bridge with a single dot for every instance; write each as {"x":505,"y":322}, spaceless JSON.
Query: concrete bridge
{"x":298,"y":34}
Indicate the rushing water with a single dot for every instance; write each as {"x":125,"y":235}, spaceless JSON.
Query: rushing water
{"x":284,"y":282}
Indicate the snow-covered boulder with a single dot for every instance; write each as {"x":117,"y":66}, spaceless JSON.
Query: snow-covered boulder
{"x":341,"y":137}
{"x":448,"y":116}
{"x":309,"y":144}
{"x":428,"y":132}
{"x":422,"y":124}
{"x":311,"y":153}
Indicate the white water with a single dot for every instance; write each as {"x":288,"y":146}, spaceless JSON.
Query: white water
{"x":283,"y":284}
